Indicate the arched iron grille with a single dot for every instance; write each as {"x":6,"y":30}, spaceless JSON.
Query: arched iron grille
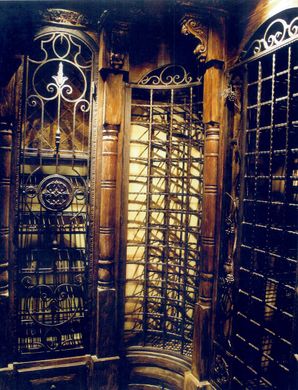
{"x":52,"y":249}
{"x":164,"y":210}
{"x":258,"y":352}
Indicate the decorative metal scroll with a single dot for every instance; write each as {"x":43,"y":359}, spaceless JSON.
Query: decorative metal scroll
{"x":168,"y":75}
{"x":58,"y":94}
{"x":54,"y":300}
{"x":279,"y":31}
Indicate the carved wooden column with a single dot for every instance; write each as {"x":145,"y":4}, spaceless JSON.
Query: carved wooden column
{"x":5,"y":182}
{"x":212,"y":114}
{"x":111,"y":63}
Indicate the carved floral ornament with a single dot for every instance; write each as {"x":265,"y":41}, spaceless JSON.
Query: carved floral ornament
{"x":64,"y":16}
{"x":190,"y":25}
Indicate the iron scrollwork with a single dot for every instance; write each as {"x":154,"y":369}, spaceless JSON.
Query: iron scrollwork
{"x":168,"y":75}
{"x":63,"y":54}
{"x":54,"y":300}
{"x":278,"y":32}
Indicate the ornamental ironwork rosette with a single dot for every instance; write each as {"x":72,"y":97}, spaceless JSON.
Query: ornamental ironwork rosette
{"x":55,"y":192}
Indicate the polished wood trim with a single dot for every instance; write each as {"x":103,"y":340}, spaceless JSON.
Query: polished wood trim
{"x":148,"y":366}
{"x":106,"y":344}
{"x":203,"y":313}
{"x":212,"y":176}
{"x":5,"y":181}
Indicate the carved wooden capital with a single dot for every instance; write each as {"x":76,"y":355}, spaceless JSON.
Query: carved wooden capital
{"x":190,"y":25}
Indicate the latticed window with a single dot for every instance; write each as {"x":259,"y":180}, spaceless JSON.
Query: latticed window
{"x":52,"y":211}
{"x":164,"y":195}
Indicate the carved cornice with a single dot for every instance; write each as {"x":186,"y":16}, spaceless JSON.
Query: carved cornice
{"x":191,"y":25}
{"x":65,"y":17}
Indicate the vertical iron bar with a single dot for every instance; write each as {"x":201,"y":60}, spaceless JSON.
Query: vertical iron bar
{"x":165,"y":273}
{"x":147,"y":233}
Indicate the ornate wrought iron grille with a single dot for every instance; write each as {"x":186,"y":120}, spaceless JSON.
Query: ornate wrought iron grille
{"x":52,"y":251}
{"x":262,"y":334}
{"x":164,"y":210}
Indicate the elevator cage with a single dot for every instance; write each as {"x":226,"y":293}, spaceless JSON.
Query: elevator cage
{"x":257,"y":350}
{"x":163,"y":193}
{"x":53,"y":198}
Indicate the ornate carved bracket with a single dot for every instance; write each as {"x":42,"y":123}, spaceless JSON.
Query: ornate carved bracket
{"x":190,"y":25}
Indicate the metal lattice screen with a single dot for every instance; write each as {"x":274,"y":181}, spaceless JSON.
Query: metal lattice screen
{"x":164,"y":210}
{"x":52,"y":245}
{"x":263,"y":330}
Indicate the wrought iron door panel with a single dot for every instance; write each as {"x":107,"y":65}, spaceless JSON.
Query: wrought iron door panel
{"x":164,"y":206}
{"x":257,"y":353}
{"x":54,"y":196}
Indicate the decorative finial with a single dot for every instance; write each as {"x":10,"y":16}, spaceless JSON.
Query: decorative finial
{"x":60,"y":78}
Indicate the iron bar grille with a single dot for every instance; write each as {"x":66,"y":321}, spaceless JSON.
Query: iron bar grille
{"x":52,"y":250}
{"x":164,"y":215}
{"x":262,"y":335}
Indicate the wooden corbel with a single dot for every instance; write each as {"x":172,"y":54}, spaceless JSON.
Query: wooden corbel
{"x":191,"y":25}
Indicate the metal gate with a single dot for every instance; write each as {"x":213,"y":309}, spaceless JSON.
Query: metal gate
{"x":164,"y":197}
{"x":257,"y":351}
{"x":53,"y":200}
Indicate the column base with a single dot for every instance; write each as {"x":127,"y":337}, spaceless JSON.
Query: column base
{"x":105,"y":373}
{"x":192,"y":383}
